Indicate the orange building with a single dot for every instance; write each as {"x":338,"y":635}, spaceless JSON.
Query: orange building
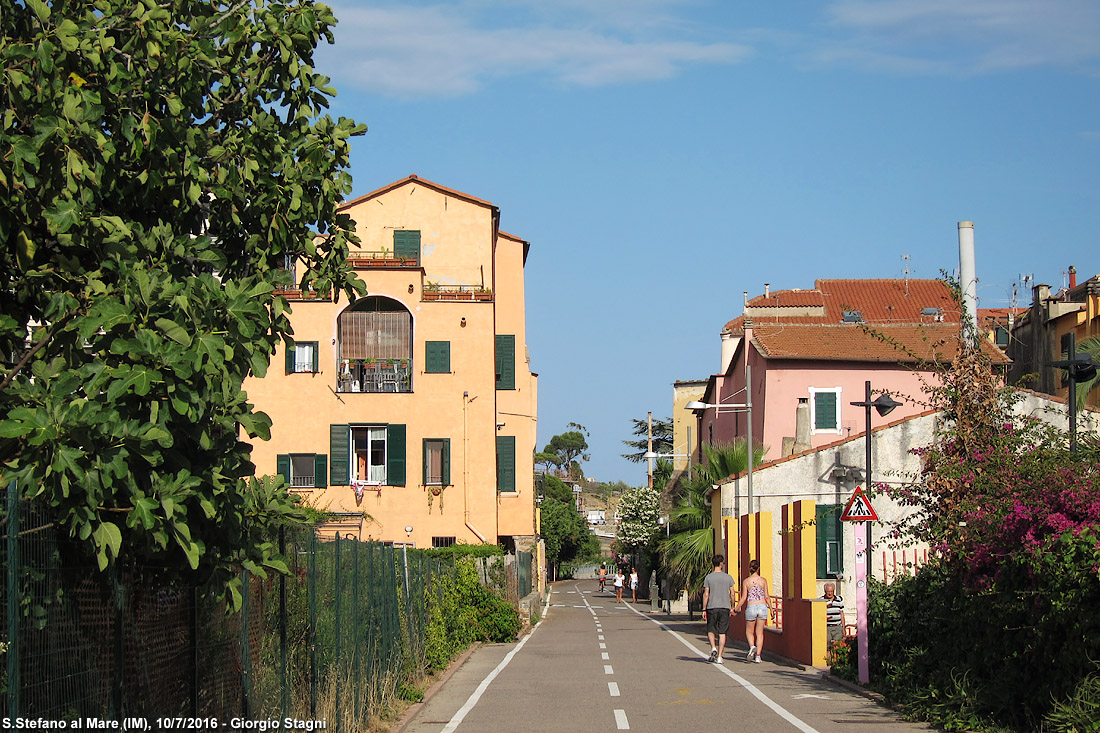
{"x":409,"y":414}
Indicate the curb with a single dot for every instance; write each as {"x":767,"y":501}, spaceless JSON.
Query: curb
{"x":414,"y":708}
{"x":853,"y":687}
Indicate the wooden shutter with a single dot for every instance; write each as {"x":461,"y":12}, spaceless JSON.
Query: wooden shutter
{"x":316,"y":349}
{"x":406,"y":243}
{"x":446,"y":461}
{"x":506,"y":361}
{"x":289,"y":356}
{"x":320,"y":471}
{"x":830,"y":555}
{"x":506,"y":463}
{"x":339,"y":447}
{"x":395,"y":455}
{"x":825,"y":410}
{"x":437,"y":356}
{"x":282,"y":467}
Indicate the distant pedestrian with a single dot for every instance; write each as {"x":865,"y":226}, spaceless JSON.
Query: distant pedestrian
{"x":618,"y":585}
{"x":834,"y":616}
{"x":717,"y":602}
{"x":603,"y":577}
{"x":756,"y":601}
{"x":634,"y":584}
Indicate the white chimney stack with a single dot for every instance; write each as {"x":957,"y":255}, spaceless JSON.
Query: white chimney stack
{"x":968,"y":281}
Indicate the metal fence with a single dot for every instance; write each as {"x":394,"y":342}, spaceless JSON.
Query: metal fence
{"x":334,"y":640}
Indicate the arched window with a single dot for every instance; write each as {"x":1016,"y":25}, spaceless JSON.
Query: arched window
{"x":375,"y":346}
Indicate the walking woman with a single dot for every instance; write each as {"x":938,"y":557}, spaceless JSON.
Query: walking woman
{"x":634,"y":584}
{"x":756,"y":601}
{"x":618,"y":585}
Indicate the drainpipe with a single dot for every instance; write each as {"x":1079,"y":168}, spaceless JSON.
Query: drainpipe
{"x":466,"y":464}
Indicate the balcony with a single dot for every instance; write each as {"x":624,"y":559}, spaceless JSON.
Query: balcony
{"x":375,"y":376}
{"x":380,"y":259}
{"x":457,"y":292}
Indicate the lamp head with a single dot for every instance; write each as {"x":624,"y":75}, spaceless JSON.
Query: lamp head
{"x":696,"y":405}
{"x":885,"y":404}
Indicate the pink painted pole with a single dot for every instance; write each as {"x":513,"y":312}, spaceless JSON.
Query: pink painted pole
{"x":861,"y":604}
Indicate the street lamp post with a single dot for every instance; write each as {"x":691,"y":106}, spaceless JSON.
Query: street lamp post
{"x":884,"y":405}
{"x":746,"y":408}
{"x":1079,"y":368}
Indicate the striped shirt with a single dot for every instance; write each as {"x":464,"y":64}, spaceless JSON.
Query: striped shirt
{"x":834,"y":613}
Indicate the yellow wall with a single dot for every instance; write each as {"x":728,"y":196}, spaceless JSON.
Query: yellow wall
{"x":458,"y":240}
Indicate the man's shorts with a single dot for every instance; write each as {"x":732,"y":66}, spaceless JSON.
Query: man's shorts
{"x":718,"y":620}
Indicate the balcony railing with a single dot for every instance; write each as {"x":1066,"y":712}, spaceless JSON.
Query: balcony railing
{"x":381,"y":258}
{"x":457,"y":292}
{"x":375,"y":375}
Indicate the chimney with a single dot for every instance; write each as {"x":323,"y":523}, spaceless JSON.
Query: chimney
{"x":1072,"y":277}
{"x":968,"y":281}
{"x":802,"y":425}
{"x":746,"y":292}
{"x":767,"y":289}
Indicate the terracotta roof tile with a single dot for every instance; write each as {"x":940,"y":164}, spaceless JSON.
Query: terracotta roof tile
{"x":848,"y":342}
{"x":882,"y":301}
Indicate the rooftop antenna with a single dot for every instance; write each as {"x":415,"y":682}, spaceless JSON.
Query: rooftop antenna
{"x":905,"y":258}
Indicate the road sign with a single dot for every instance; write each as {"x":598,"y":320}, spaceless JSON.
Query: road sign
{"x":859,"y":508}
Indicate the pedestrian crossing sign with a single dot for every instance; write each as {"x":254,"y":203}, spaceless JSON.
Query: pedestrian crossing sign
{"x":859,"y":508}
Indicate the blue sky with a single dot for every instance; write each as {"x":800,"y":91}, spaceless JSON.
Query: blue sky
{"x":663,"y":156}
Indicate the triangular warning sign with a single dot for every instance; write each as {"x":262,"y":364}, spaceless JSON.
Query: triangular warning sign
{"x":859,"y":508}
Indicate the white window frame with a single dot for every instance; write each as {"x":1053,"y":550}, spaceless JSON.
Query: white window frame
{"x":374,"y":432}
{"x":305,"y":354}
{"x":814,"y":430}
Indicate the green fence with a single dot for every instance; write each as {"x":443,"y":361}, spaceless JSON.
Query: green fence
{"x":334,"y":640}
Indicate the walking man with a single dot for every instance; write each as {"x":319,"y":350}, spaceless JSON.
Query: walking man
{"x":717,"y":602}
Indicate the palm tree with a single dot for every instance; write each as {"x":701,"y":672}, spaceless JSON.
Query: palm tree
{"x":688,"y":550}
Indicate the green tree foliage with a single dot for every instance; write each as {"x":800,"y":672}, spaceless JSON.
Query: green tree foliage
{"x":662,"y":439}
{"x":566,"y":533}
{"x":689,"y":549}
{"x":570,"y":449}
{"x":555,"y":488}
{"x":462,"y":611}
{"x":159,"y":163}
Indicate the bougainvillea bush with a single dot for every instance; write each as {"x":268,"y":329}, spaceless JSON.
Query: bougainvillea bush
{"x":1002,"y":629}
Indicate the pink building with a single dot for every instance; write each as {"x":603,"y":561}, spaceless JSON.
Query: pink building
{"x":810,"y":353}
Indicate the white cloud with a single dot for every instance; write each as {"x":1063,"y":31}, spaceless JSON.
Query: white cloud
{"x":971,"y":36}
{"x":409,"y":51}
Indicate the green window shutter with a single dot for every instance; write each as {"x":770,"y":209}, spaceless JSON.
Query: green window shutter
{"x":424,"y":462}
{"x":289,"y":357}
{"x":315,"y":351}
{"x":395,"y":455}
{"x":339,"y":447}
{"x":282,"y":466}
{"x":506,"y":361}
{"x":446,"y":461}
{"x":825,"y":410}
{"x":830,"y":558}
{"x":437,"y":357}
{"x":506,"y":463}
{"x":406,"y":243}
{"x":320,"y":471}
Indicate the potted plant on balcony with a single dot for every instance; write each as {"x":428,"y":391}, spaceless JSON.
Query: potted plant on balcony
{"x":483,"y":293}
{"x":431,"y":291}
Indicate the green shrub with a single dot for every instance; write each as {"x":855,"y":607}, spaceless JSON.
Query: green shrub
{"x":1080,"y":712}
{"x":462,"y":611}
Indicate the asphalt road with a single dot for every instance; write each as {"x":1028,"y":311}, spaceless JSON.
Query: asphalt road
{"x":594,"y":665}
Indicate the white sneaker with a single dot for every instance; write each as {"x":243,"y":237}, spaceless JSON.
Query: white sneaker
{"x":718,"y":660}
{"x":758,"y":659}
{"x":751,"y":654}
{"x":713,"y":655}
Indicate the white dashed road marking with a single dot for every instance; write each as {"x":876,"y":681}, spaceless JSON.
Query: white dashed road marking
{"x":620,"y":720}
{"x":613,"y":688}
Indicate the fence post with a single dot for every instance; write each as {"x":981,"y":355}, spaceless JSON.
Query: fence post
{"x":246,"y":656}
{"x":13,"y":604}
{"x":355,"y":624}
{"x":282,"y":626}
{"x":120,"y":645}
{"x":334,"y":671}
{"x":194,"y":643}
{"x":311,"y":559}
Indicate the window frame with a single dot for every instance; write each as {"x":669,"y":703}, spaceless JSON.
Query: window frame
{"x":292,"y":357}
{"x":829,"y":534}
{"x":445,"y":461}
{"x":284,"y":464}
